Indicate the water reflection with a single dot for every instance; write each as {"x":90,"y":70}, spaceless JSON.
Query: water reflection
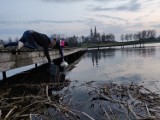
{"x":138,"y":65}
{"x":97,"y":55}
{"x":144,"y":52}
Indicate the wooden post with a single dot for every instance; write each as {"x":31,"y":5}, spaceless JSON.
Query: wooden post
{"x":66,"y":57}
{"x":36,"y":65}
{"x":75,"y":56}
{"x":4,"y":75}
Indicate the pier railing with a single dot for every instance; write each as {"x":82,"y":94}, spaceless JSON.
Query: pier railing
{"x":8,"y":60}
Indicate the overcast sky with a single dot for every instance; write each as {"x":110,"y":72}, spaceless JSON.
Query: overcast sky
{"x":77,"y":17}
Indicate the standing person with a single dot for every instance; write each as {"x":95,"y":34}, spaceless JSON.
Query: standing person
{"x":32,"y":39}
{"x":60,"y":44}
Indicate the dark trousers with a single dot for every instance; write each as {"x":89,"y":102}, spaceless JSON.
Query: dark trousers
{"x":27,"y":39}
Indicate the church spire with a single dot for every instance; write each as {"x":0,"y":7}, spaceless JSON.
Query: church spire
{"x":91,"y":33}
{"x":95,"y":31}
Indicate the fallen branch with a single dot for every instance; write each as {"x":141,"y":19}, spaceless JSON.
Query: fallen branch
{"x":88,"y":116}
{"x":10,"y":112}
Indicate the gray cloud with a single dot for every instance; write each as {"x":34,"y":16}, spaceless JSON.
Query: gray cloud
{"x":136,"y":25}
{"x":110,"y":0}
{"x":6,"y":22}
{"x":156,"y":25}
{"x":106,"y":28}
{"x":63,"y":1}
{"x":93,"y":22}
{"x":58,"y":21}
{"x":112,"y":17}
{"x":133,"y":5}
{"x":11,"y":30}
{"x":40,"y":21}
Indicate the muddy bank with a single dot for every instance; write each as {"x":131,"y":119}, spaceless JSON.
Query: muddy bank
{"x":96,"y":102}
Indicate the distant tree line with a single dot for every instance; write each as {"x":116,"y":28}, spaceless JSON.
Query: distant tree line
{"x":75,"y":41}
{"x":8,"y":40}
{"x":140,"y":37}
{"x":108,"y":37}
{"x":96,"y":37}
{"x":143,"y":35}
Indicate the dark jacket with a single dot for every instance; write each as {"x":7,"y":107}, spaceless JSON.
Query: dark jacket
{"x":33,"y":39}
{"x":43,"y":41}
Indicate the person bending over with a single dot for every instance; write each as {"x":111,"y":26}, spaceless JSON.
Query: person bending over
{"x":32,"y":39}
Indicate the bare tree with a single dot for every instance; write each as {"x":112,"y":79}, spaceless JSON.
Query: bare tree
{"x":122,"y":39}
{"x":153,"y":34}
{"x":130,"y":37}
{"x":9,"y":40}
{"x":127,"y":37}
{"x":103,"y":38}
{"x":16,"y":39}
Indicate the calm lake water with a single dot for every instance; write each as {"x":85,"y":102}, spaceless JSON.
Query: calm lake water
{"x":96,"y":67}
{"x":121,"y":66}
{"x":139,"y":65}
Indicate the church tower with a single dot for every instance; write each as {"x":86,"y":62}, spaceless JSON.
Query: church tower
{"x":95,"y":32}
{"x":91,"y":33}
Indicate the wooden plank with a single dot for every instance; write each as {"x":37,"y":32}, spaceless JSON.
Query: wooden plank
{"x":10,"y":61}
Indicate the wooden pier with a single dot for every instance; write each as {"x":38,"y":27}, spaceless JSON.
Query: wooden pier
{"x":9,"y":61}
